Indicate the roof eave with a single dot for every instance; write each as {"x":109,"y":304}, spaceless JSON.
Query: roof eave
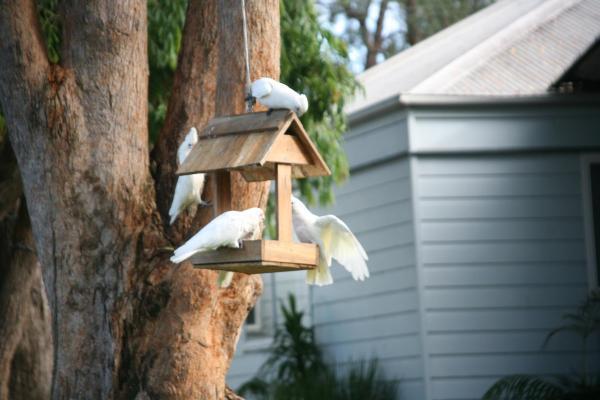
{"x":406,"y":101}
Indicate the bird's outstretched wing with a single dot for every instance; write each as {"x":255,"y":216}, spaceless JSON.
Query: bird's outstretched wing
{"x":261,"y":87}
{"x":341,"y":244}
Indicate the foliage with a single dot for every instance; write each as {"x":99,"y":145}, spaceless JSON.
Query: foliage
{"x":361,"y":21}
{"x":314,"y":62}
{"x":295,"y":370}
{"x":165,"y":27}
{"x":419,"y":20}
{"x":295,"y":352}
{"x":363,"y":381}
{"x":51,"y":27}
{"x":431,"y":16}
{"x":585,"y":322}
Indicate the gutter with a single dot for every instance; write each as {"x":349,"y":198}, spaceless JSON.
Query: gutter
{"x":412,"y":101}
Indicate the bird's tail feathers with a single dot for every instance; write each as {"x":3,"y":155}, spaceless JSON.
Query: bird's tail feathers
{"x":173,"y":217}
{"x":174,"y":210}
{"x":224,"y":279}
{"x":182,"y":254}
{"x":320,"y":276}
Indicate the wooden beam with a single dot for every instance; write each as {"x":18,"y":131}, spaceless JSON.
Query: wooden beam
{"x":222,"y":200}
{"x":284,"y":202}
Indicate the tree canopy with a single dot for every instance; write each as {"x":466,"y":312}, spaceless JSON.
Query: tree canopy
{"x":367,"y":27}
{"x":313,"y":61}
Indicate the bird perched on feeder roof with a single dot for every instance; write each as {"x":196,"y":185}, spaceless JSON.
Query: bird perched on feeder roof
{"x":275,"y":95}
{"x":226,"y":230}
{"x":188,"y":190}
{"x":335,"y":241}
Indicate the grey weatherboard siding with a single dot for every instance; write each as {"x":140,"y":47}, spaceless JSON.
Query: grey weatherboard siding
{"x":474,"y":254}
{"x":466,"y":191}
{"x":502,"y":257}
{"x":380,"y":316}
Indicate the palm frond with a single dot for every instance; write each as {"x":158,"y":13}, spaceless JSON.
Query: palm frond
{"x":365,"y":380}
{"x":523,"y":387}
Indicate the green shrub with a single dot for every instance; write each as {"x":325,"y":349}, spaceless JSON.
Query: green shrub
{"x":295,"y":369}
{"x":585,"y":323}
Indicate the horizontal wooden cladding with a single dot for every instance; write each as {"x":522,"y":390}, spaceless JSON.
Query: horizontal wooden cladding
{"x":287,"y":149}
{"x":245,"y":123}
{"x":259,"y":256}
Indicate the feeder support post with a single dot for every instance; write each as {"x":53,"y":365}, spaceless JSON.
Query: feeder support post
{"x":284,"y":202}
{"x":222,"y":190}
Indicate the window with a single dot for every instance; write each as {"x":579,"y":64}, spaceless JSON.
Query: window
{"x":591,"y":202}
{"x":253,"y":320}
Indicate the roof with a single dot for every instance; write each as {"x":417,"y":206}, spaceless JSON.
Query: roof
{"x":253,"y":144}
{"x":511,"y":48}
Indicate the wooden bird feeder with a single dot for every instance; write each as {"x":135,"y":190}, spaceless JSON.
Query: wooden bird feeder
{"x":261,"y":147}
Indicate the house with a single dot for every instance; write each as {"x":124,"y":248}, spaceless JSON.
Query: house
{"x":475,"y":174}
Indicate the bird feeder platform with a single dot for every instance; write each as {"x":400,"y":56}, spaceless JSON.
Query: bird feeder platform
{"x":258,"y":256}
{"x":261,"y":146}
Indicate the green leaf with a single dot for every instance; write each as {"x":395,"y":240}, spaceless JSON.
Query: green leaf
{"x":523,"y":387}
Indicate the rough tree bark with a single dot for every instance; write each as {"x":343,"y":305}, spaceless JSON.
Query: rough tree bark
{"x":26,"y":344}
{"x":126,"y":322}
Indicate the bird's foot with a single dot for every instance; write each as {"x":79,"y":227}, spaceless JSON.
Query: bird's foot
{"x":205,"y":204}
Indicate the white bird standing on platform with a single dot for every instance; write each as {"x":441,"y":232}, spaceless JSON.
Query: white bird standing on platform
{"x":275,"y":95}
{"x":226,"y":230}
{"x":188,"y":190}
{"x":335,"y":241}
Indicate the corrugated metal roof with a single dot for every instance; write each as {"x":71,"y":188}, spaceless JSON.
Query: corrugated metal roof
{"x":513,"y":47}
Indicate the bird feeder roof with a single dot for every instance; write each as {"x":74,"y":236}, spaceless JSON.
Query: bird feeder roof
{"x":253,"y":144}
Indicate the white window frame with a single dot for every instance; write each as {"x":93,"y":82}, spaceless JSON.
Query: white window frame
{"x":588,"y":218}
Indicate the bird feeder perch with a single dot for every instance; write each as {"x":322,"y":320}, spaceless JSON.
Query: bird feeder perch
{"x":261,"y":146}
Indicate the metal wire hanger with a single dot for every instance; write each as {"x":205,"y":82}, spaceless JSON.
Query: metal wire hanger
{"x":250,"y":100}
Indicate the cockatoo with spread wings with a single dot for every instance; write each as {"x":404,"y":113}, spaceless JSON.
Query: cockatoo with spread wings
{"x":275,"y":95}
{"x":188,"y":190}
{"x":226,"y":230}
{"x":335,"y":241}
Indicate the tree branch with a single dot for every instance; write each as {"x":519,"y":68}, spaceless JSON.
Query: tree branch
{"x":23,"y":61}
{"x":377,"y":36}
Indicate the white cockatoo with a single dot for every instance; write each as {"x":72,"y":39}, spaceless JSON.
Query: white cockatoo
{"x":335,"y":241}
{"x":188,"y":190}
{"x":226,"y":230}
{"x":275,"y":95}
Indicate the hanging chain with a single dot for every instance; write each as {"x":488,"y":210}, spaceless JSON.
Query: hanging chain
{"x":249,"y":99}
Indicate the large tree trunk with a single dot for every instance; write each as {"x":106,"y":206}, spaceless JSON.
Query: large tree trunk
{"x":126,"y":322}
{"x":26,"y":344}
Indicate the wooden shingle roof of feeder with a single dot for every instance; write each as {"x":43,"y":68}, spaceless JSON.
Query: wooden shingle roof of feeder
{"x":254,"y":144}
